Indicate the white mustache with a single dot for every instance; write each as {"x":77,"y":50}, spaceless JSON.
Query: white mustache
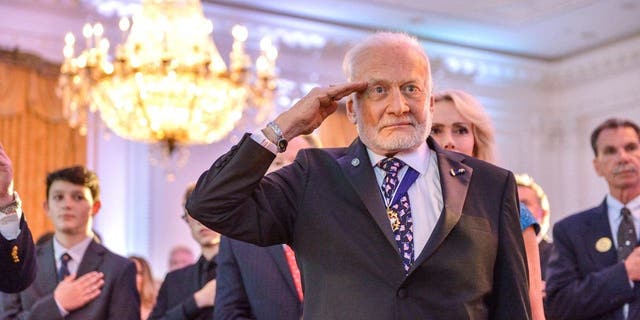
{"x":624,"y":167}
{"x":395,"y":121}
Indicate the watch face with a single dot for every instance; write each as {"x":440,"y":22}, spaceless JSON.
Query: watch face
{"x":282,"y":145}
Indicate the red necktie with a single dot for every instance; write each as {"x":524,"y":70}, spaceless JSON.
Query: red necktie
{"x":293,"y":267}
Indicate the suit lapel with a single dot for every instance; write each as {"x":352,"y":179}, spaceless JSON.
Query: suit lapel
{"x":601,"y":229}
{"x":47,"y":267}
{"x":277,"y":254}
{"x":454,"y":193}
{"x":356,"y":166}
{"x":92,"y":258}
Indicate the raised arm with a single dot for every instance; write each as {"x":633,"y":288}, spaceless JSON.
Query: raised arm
{"x":17,"y":251}
{"x":233,"y":198}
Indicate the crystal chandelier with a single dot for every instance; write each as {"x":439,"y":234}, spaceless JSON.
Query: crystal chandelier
{"x":167,"y":82}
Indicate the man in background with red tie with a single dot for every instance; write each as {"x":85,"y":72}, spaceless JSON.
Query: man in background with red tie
{"x":77,"y":278}
{"x":392,"y":227}
{"x":257,"y":282}
{"x":594,"y":268}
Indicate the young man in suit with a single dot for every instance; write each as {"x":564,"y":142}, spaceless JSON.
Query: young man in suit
{"x":17,"y":258}
{"x":189,"y":293}
{"x":78,"y":278}
{"x":594,"y":268}
{"x":392,"y":227}
{"x":261,"y":283}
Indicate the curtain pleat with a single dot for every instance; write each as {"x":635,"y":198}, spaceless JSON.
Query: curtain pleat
{"x":34,"y":133}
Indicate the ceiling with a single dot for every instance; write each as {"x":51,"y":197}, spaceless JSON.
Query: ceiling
{"x":542,"y":30}
{"x":539,"y":29}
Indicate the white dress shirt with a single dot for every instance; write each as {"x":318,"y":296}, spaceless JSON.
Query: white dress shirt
{"x":77,"y":253}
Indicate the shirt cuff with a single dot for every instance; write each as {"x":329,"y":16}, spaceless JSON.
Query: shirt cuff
{"x":263,"y":141}
{"x":10,"y":224}
{"x":63,"y":312}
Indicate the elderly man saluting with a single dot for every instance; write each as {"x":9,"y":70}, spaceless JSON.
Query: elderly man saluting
{"x":392,"y":227}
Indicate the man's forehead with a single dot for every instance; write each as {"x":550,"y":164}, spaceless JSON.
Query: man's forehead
{"x":617,"y":136}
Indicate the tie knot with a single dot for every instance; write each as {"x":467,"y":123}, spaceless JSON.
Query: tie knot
{"x":625,"y":212}
{"x":65,"y":257}
{"x":392,"y":165}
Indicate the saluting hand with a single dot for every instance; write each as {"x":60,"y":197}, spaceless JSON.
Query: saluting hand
{"x":308,"y":113}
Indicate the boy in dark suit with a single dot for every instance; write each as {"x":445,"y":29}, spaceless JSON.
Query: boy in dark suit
{"x":78,"y":278}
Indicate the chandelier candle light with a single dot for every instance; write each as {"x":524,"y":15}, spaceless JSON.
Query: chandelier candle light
{"x":167,"y":82}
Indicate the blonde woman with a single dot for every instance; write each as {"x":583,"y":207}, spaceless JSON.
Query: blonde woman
{"x":461,"y":124}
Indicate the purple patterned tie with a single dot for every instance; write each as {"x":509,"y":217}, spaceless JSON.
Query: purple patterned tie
{"x":399,"y":212}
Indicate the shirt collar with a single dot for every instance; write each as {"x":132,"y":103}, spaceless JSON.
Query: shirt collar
{"x":76,"y":252}
{"x":418,"y":159}
{"x":614,"y":206}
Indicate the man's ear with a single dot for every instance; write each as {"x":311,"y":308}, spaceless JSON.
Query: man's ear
{"x":351,"y":113}
{"x":596,"y":166}
{"x":45,"y":206}
{"x":432,"y":103}
{"x":96,"y":207}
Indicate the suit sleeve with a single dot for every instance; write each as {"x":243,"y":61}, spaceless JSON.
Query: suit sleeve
{"x":574,"y":295}
{"x":45,"y":308}
{"x":234,"y":199}
{"x":511,"y":289}
{"x":17,"y":275}
{"x":185,"y":310}
{"x":232,"y":302}
{"x":125,"y":293}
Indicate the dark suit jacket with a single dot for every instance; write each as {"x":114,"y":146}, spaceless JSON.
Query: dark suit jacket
{"x":175,"y":299}
{"x":582,"y":281}
{"x":544,"y":247}
{"x":118,"y":300}
{"x":254,"y":283}
{"x":328,"y":207}
{"x":17,"y":275}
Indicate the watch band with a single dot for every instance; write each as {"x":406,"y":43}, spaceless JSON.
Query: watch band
{"x":280,"y":141}
{"x":13,"y":206}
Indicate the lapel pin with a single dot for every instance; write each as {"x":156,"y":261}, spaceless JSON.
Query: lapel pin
{"x":355,"y":162}
{"x":455,"y":172}
{"x":603,"y":244}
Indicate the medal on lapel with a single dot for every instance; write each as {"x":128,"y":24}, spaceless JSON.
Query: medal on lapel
{"x":603,"y":244}
{"x":393,"y":219}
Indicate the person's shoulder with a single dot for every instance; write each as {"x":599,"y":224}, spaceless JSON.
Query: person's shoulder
{"x":324,"y":152}
{"x":242,"y":250}
{"x":483,"y":171}
{"x":110,"y":258}
{"x":579,"y":218}
{"x":484,"y":166}
{"x":181,"y":273}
